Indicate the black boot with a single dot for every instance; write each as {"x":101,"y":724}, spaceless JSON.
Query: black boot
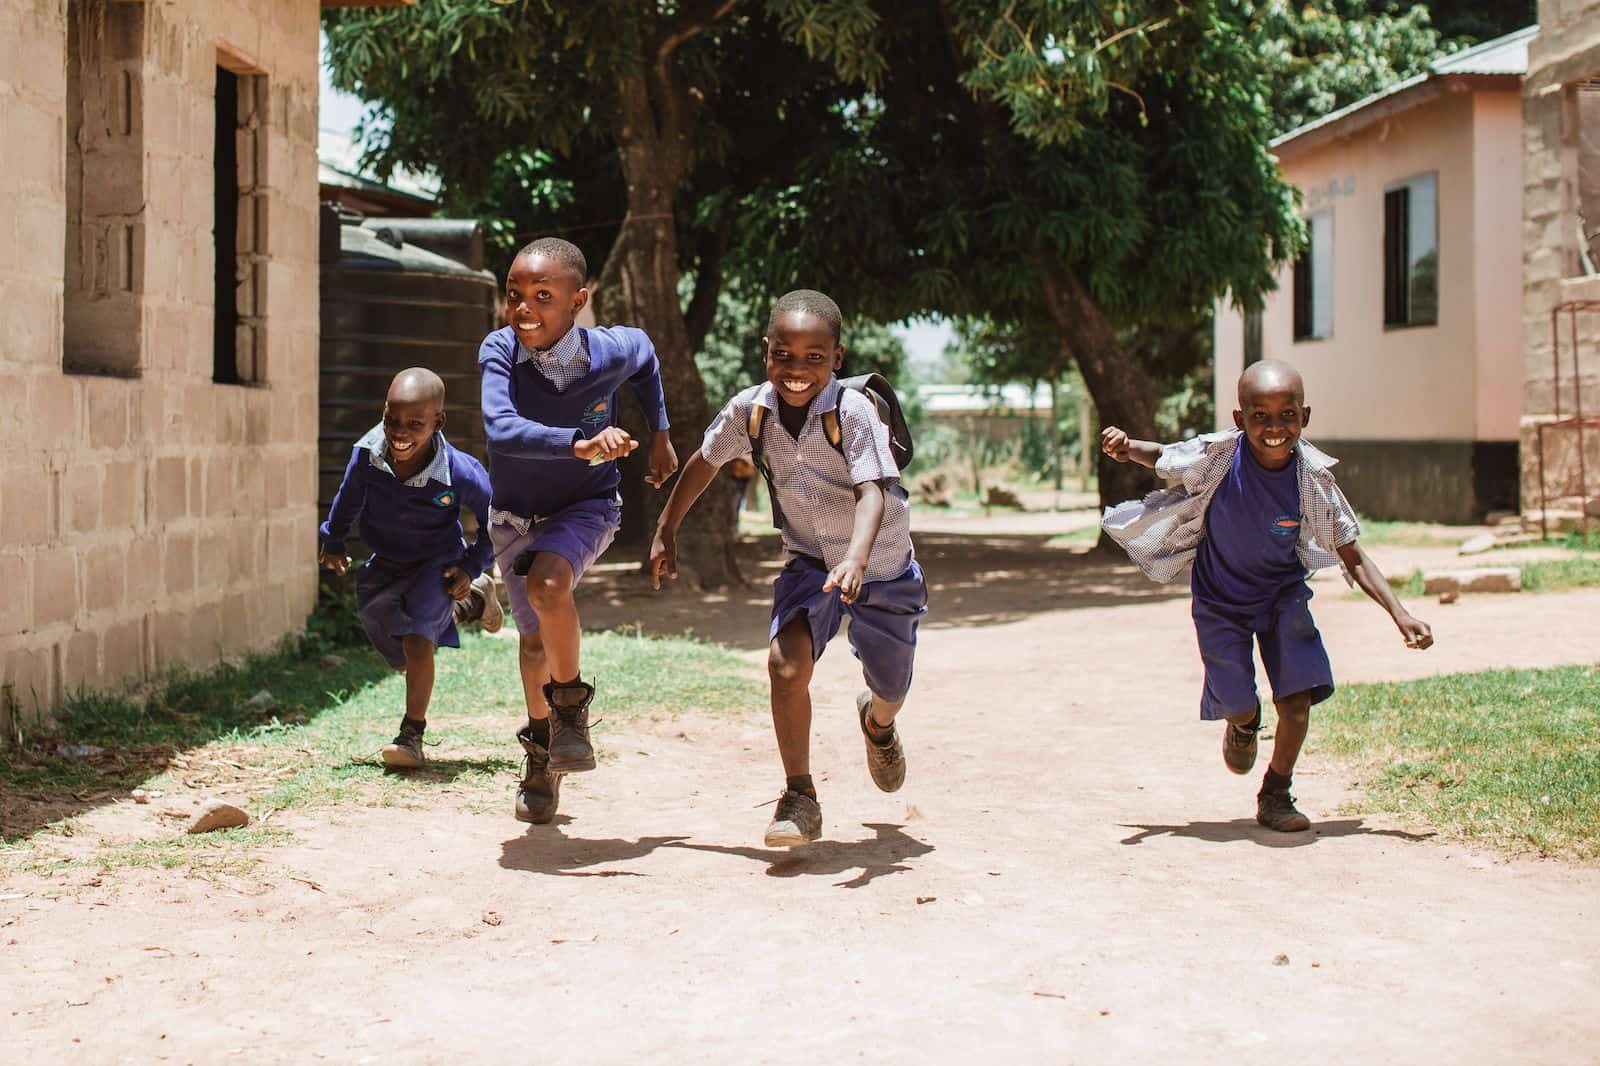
{"x":570,"y":750}
{"x":540,"y":790}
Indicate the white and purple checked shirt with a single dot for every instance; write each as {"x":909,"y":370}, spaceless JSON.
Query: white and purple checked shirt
{"x":815,"y":484}
{"x":563,"y":363}
{"x":1162,"y":531}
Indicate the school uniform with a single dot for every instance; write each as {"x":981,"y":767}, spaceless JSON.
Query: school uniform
{"x":1248,"y":537}
{"x":413,"y":527}
{"x":815,"y":485}
{"x":536,"y":406}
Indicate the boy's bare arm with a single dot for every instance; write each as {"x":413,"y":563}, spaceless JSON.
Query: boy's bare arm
{"x":1123,"y":448}
{"x":1373,"y":583}
{"x":848,"y":576}
{"x":697,"y":474}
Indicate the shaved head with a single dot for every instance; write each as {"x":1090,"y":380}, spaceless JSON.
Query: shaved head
{"x":1270,"y":375}
{"x":416,"y":384}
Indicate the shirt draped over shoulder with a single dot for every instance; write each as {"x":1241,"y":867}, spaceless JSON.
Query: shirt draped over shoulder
{"x":814,"y":482}
{"x":1161,"y":532}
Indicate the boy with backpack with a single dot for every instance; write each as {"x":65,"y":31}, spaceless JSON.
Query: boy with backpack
{"x":833,"y":476}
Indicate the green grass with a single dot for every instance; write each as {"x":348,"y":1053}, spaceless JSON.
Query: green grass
{"x":314,"y":742}
{"x":1507,"y":757}
{"x":1546,"y":575}
{"x":1408,"y":534}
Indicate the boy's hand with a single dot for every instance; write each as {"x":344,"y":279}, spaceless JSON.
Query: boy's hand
{"x":846,"y":577}
{"x":1416,"y":632}
{"x":456,"y":582}
{"x":663,"y":558}
{"x":1114,"y":442}
{"x":339,"y":564}
{"x":663,"y":459}
{"x":610,"y":443}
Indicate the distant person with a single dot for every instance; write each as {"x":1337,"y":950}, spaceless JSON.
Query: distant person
{"x":550,"y":411}
{"x":403,"y":491}
{"x":1258,"y":510}
{"x":846,"y":532}
{"x":741,"y":472}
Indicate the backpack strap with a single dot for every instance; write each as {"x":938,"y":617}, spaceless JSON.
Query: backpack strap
{"x":831,"y":427}
{"x":755,"y":426}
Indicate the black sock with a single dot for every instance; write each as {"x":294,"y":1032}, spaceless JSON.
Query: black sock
{"x":577,"y":679}
{"x":415,"y":725}
{"x":539,"y":731}
{"x":1276,"y":782}
{"x":802,"y":783}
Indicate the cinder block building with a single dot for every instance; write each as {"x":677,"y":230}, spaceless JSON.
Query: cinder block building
{"x":158,"y":344}
{"x":1561,"y":248}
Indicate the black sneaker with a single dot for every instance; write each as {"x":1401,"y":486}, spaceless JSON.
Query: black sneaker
{"x":798,"y":820}
{"x":540,"y":790}
{"x":1239,"y":745}
{"x":886,"y":760}
{"x":570,"y":750}
{"x":406,"y":751}
{"x":1276,"y":810}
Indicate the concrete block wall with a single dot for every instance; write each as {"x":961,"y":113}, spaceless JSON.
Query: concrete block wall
{"x":157,"y":519}
{"x":1566,"y":51}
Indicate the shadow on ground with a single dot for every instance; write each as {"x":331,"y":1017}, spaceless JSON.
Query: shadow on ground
{"x":974,"y":579}
{"x":548,"y":850}
{"x":1246,"y":829}
{"x":101,"y":746}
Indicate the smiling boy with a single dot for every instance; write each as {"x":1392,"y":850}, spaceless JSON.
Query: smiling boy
{"x":403,"y":490}
{"x":1251,"y":523}
{"x":550,"y":413}
{"x":846,"y":531}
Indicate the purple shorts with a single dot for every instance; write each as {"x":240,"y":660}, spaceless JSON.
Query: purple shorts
{"x":1291,"y":650}
{"x":579,"y":534}
{"x":883,"y":620}
{"x":405,"y":599}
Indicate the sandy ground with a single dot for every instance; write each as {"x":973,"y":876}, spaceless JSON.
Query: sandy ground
{"x":1069,"y":875}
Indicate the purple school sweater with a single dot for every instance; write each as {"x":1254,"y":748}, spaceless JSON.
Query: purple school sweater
{"x":532,"y":427}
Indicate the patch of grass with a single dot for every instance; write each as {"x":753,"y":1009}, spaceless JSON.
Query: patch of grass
{"x":1408,"y":534}
{"x":1507,"y":757}
{"x":1555,"y":575}
{"x":313,"y":739}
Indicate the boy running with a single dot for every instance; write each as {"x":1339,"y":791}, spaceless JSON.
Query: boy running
{"x":403,"y":489}
{"x":1253,"y":521}
{"x":550,"y":412}
{"x":846,"y":531}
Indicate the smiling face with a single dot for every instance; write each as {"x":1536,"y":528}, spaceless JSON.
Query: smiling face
{"x":802,"y":354}
{"x":1272,"y":412}
{"x":543,"y":298}
{"x":408,"y":428}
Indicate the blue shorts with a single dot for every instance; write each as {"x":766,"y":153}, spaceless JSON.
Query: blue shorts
{"x":883,"y":620}
{"x":579,"y":534}
{"x":403,"y":600}
{"x":1291,"y":650}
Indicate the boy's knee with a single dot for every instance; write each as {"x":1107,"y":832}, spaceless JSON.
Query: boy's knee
{"x":415,"y":647}
{"x":549,"y":582}
{"x":1296,"y":708}
{"x":788,"y":666}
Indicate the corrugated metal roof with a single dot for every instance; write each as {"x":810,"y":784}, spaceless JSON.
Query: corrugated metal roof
{"x":1504,"y":55}
{"x":339,"y":163}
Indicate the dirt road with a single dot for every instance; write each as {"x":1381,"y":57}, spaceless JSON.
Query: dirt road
{"x":1069,"y":876}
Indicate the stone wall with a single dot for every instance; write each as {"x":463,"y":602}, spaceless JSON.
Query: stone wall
{"x":1567,"y":51}
{"x":149,"y":517}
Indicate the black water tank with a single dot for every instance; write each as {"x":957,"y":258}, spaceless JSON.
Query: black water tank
{"x":387,"y":305}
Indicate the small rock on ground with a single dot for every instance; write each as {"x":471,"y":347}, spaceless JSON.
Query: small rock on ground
{"x":218,"y":815}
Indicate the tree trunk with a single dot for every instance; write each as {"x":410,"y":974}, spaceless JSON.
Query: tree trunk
{"x":1123,"y":393}
{"x":639,"y":286}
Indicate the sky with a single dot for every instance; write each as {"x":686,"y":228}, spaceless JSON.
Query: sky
{"x":925,"y":339}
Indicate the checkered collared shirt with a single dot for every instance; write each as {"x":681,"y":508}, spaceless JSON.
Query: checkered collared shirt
{"x":1162,"y":531}
{"x":377,"y":447}
{"x":563,"y":363}
{"x":815,"y":484}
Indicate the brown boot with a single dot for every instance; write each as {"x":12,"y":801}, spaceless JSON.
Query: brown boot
{"x":540,"y":791}
{"x":570,"y":750}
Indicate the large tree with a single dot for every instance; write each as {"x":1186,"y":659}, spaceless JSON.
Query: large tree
{"x":1143,"y":204}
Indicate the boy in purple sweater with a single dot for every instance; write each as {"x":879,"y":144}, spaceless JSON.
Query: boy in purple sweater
{"x":550,"y":412}
{"x":403,"y":490}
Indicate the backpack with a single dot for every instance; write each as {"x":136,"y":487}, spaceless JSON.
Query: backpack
{"x":874,"y":387}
